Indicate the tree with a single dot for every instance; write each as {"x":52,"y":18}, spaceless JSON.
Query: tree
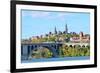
{"x":41,"y":53}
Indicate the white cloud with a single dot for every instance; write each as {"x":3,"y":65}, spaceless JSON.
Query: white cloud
{"x":39,"y":14}
{"x":48,"y":15}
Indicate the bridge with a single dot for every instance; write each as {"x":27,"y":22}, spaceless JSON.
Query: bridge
{"x":26,"y":48}
{"x":79,"y":44}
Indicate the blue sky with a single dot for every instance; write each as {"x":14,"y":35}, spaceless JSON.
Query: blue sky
{"x":35,"y":23}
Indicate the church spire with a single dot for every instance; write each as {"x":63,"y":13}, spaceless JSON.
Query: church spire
{"x":55,"y":30}
{"x":66,"y":29}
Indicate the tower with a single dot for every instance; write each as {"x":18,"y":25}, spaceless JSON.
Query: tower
{"x":81,"y":36}
{"x":66,"y":29}
{"x":55,"y":30}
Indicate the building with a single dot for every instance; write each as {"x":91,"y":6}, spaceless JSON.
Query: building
{"x":61,"y":36}
{"x":55,"y":31}
{"x":59,"y":32}
{"x":81,"y":38}
{"x":66,"y":29}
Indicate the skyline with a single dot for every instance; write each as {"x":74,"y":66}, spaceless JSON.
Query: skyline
{"x":35,"y":23}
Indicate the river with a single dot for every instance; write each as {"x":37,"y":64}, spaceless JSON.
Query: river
{"x":56,"y":59}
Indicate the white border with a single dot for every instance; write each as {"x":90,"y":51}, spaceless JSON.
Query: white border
{"x":20,"y":65}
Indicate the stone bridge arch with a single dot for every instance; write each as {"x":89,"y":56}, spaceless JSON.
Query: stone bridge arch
{"x":74,"y":45}
{"x":27,"y":48}
{"x":51,"y":48}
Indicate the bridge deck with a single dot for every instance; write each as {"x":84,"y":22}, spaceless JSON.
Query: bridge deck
{"x":53,"y":43}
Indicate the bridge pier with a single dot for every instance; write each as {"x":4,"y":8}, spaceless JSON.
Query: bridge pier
{"x":24,"y":52}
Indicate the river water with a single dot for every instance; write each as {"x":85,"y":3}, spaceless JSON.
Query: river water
{"x":56,"y":59}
